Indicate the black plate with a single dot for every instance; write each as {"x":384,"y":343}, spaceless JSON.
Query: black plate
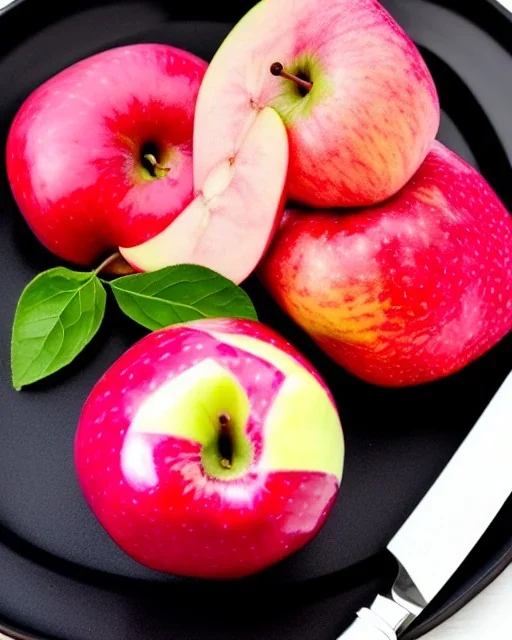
{"x":61,"y":576}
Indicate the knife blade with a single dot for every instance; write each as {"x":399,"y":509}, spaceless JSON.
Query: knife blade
{"x":447,"y":523}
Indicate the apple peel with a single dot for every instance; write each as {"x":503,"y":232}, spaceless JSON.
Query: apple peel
{"x":229,"y":224}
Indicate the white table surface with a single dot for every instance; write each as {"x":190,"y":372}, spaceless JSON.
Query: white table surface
{"x":489,"y":615}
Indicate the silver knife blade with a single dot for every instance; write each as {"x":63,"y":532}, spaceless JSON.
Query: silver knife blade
{"x":448,"y":522}
{"x":463,"y":501}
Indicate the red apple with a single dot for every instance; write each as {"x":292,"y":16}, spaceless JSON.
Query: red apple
{"x":408,"y":291}
{"x":360,"y":115}
{"x":82,"y":149}
{"x":210,"y":449}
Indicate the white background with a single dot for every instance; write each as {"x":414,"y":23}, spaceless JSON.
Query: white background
{"x":489,"y":616}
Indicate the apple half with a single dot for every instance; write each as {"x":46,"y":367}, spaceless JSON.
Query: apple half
{"x":236,"y":210}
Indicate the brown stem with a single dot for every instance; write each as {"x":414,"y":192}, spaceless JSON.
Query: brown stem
{"x":108,"y":261}
{"x":224,"y":420}
{"x":225,"y":444}
{"x":160,"y":170}
{"x":277,"y":69}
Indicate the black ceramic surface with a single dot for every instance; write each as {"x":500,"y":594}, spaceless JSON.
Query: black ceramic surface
{"x":60,"y":574}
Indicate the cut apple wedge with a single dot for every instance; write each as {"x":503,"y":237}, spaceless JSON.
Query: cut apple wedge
{"x":229,"y":224}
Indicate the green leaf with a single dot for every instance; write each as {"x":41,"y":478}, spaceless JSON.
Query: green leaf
{"x":180,"y":293}
{"x":57,"y":315}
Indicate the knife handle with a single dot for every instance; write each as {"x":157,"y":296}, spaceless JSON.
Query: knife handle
{"x":380,"y":622}
{"x":364,"y":629}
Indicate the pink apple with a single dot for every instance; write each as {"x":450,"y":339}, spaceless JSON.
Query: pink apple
{"x":210,"y":449}
{"x":81,"y":150}
{"x":406,"y":292}
{"x":360,"y":116}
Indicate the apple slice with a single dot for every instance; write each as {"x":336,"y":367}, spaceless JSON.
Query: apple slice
{"x":231,"y":221}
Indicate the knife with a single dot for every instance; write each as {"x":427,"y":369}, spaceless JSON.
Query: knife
{"x":447,"y":523}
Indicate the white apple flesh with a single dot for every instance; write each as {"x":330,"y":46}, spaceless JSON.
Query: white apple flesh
{"x":231,"y":221}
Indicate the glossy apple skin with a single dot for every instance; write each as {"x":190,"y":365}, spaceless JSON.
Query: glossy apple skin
{"x":170,"y":515}
{"x":368,"y":122}
{"x":406,"y":292}
{"x":74,"y":149}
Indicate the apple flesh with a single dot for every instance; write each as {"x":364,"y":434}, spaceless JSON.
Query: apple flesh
{"x":230,"y":223}
{"x":362,"y":129}
{"x":406,"y":292}
{"x":100,"y":155}
{"x":210,"y":449}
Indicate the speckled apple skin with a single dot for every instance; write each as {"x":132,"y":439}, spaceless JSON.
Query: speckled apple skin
{"x":406,"y":292}
{"x":180,"y":520}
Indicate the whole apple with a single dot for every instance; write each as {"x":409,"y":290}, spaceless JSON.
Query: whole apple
{"x":406,"y":292}
{"x":100,"y":155}
{"x":357,"y":99}
{"x":210,"y":449}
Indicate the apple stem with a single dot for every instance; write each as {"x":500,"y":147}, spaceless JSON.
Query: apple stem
{"x":277,"y":69}
{"x":225,"y":444}
{"x":160,"y":171}
{"x":107,"y":262}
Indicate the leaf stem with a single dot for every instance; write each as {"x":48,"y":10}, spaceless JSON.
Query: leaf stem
{"x":106,"y":263}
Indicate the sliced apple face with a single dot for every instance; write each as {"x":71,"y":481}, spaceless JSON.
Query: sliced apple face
{"x":230,"y":96}
{"x":231,"y":221}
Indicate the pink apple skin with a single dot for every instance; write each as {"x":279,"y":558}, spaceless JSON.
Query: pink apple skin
{"x":150,"y":490}
{"x":75,"y":146}
{"x":406,"y":292}
{"x":366,"y":125}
